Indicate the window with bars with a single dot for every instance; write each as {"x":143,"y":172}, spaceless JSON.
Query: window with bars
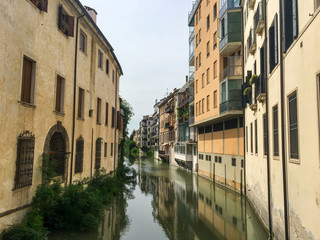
{"x":78,"y":168}
{"x":25,"y":158}
{"x":60,"y":94}
{"x":98,"y":154}
{"x":275,"y":131}
{"x":293,"y":126}
{"x":81,"y":103}
{"x":28,"y":80}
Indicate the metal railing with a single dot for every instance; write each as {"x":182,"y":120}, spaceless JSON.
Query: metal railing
{"x":259,"y":15}
{"x":252,"y":40}
{"x":230,"y":105}
{"x":228,"y":4}
{"x":260,"y":85}
{"x":191,"y":77}
{"x":191,"y":120}
{"x":234,"y":67}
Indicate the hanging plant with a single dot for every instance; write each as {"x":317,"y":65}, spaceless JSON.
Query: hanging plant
{"x":64,"y":25}
{"x":253,"y":79}
{"x":247,"y":91}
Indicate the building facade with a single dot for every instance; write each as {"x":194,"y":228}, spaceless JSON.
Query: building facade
{"x":282,"y":114}
{"x":60,"y":98}
{"x":217,"y":61}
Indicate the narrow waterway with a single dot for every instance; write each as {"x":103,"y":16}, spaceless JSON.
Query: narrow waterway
{"x":170,"y":203}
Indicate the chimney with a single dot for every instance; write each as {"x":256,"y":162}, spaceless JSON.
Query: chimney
{"x":186,"y":78}
{"x":93,"y":14}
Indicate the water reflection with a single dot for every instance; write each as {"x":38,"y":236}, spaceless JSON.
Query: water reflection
{"x":171,"y":203}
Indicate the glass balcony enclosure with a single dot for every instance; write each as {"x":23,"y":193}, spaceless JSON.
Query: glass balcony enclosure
{"x":230,"y":95}
{"x":227,"y":5}
{"x":232,"y":67}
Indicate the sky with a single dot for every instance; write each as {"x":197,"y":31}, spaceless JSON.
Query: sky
{"x":150,"y":40}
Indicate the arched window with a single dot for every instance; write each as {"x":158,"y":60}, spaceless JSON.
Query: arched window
{"x":25,"y":157}
{"x":98,"y":153}
{"x":58,"y":153}
{"x":79,"y":155}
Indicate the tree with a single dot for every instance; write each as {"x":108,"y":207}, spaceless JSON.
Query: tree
{"x":127,"y":115}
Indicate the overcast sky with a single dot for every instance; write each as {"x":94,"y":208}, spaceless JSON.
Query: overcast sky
{"x":150,"y":39}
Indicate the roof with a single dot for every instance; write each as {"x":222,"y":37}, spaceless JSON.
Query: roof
{"x":184,"y":88}
{"x":100,"y":33}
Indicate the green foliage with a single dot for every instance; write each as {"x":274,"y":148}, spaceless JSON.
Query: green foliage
{"x":247,"y":91}
{"x":131,"y":145}
{"x":253,"y":79}
{"x":134,"y":152}
{"x":150,"y":153}
{"x":127,"y":115}
{"x":48,"y":169}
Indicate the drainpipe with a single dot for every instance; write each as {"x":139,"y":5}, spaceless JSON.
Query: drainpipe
{"x":244,"y":188}
{"x":74,"y":96}
{"x":284,"y":160}
{"x":115,"y":120}
{"x":267,"y":116}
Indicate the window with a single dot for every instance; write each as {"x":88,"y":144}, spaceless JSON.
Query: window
{"x":196,"y":63}
{"x":42,"y":6}
{"x":105,"y":149}
{"x":199,"y":59}
{"x":199,"y":36}
{"x":28,"y":80}
{"x":59,"y":94}
{"x":107,"y":114}
{"x":113,"y":117}
{"x":199,"y":12}
{"x":208,"y":103}
{"x":107,"y":66}
{"x":208,"y":22}
{"x":215,"y":40}
{"x":208,"y":48}
{"x":234,"y":162}
{"x":251,"y":137}
{"x":81,"y":103}
{"x":98,"y":110}
{"x":98,"y":154}
{"x":196,"y":86}
{"x":66,"y":22}
{"x":83,"y":42}
{"x":265,"y":142}
{"x":196,"y":109}
{"x":113,"y":76}
{"x":202,"y":80}
{"x":100,"y":59}
{"x":111,"y":152}
{"x":215,"y":99}
{"x":256,"y":135}
{"x":25,"y":157}
{"x":200,"y":108}
{"x":208,"y":75}
{"x":202,"y":105}
{"x":293,"y":126}
{"x":197,"y":40}
{"x":290,"y":22}
{"x":215,"y":11}
{"x":273,"y":44}
{"x":275,"y":132}
{"x":215,"y":69}
{"x":78,"y":165}
{"x":247,"y":139}
{"x":317,"y":4}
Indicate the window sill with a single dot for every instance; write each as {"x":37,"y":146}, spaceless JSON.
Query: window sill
{"x":98,"y":123}
{"x":294,"y":161}
{"x":83,"y":52}
{"x":17,"y":189}
{"x":276,"y":158}
{"x":59,"y":113}
{"x":80,"y":118}
{"x":63,"y":33}
{"x":25,"y":104}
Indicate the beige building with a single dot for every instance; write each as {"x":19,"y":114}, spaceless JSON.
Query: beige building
{"x":59,"y":96}
{"x":282,"y":115}
{"x":215,"y":36}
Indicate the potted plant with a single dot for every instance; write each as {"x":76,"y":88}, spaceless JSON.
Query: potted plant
{"x":64,"y":25}
{"x":253,"y":79}
{"x":247,"y":91}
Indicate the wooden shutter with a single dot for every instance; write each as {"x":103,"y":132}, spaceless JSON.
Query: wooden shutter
{"x":26,"y":80}
{"x":118,"y":120}
{"x":71,"y":26}
{"x":98,"y":110}
{"x":44,"y":6}
{"x":80,"y":103}
{"x":271,"y":48}
{"x":58,"y":94}
{"x":276,"y":39}
{"x":107,"y":113}
{"x":107,"y":66}
{"x":113,"y":116}
{"x":295,"y":29}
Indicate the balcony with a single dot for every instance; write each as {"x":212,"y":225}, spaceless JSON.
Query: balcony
{"x":191,"y":77}
{"x":184,"y":101}
{"x":231,"y":95}
{"x":260,"y":88}
{"x":252,"y":42}
{"x":191,"y":14}
{"x":251,"y":4}
{"x":233,"y":68}
{"x":228,"y":5}
{"x":259,"y":18}
{"x":169,"y":109}
{"x":191,"y":58}
{"x":191,"y":99}
{"x":230,"y":33}
{"x":191,"y":120}
{"x":164,"y":156}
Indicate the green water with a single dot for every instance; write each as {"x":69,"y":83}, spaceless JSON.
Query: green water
{"x":170,"y":203}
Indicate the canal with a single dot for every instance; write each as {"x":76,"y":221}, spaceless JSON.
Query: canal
{"x":170,"y":203}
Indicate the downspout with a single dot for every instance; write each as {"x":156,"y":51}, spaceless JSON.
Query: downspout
{"x":244,"y":188}
{"x":115,"y":120}
{"x":74,"y":96}
{"x":267,"y":116}
{"x":284,"y":162}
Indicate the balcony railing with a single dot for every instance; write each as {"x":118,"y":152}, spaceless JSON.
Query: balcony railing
{"x":230,"y":105}
{"x":191,"y":77}
{"x":234,"y":68}
{"x":191,"y":34}
{"x":252,"y":41}
{"x":228,"y":4}
{"x":194,"y":7}
{"x":191,"y":98}
{"x":259,"y":17}
{"x":184,"y":101}
{"x":191,"y":120}
{"x":234,"y":37}
{"x":260,"y":88}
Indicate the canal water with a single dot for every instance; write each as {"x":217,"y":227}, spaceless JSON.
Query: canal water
{"x":170,"y":203}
